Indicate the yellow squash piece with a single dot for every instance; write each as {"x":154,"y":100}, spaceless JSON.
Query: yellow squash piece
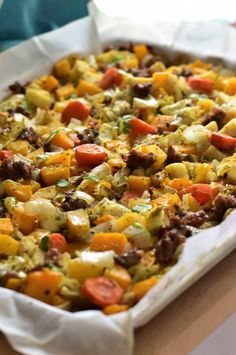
{"x":142,"y":287}
{"x":26,"y":223}
{"x":39,"y":97}
{"x":120,"y":275}
{"x":115,"y":308}
{"x":6,"y":226}
{"x":8,"y":245}
{"x":85,"y":87}
{"x":62,"y":68}
{"x":17,"y":190}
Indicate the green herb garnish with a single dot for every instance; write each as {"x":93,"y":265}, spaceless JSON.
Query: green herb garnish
{"x":92,"y":177}
{"x":27,"y":106}
{"x":53,"y":134}
{"x":115,"y":60}
{"x":62,"y":182}
{"x":125,"y":124}
{"x":138,"y":225}
{"x":73,"y":96}
{"x":44,"y":243}
{"x":141,"y":208}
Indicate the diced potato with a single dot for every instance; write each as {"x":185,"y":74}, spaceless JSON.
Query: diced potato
{"x":128,"y":219}
{"x":214,"y":153}
{"x":157,"y":219}
{"x":212,"y":126}
{"x":89,"y":264}
{"x":39,"y":97}
{"x":19,"y":147}
{"x":120,"y":275}
{"x":167,"y":200}
{"x":8,"y":245}
{"x":47,"y":193}
{"x":60,"y":106}
{"x":176,"y":170}
{"x":230,"y":128}
{"x":64,"y":92}
{"x":204,"y":173}
{"x":157,"y":67}
{"x":190,"y":203}
{"x":78,"y":224}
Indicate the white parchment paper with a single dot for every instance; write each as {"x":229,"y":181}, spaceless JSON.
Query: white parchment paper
{"x":38,"y":329}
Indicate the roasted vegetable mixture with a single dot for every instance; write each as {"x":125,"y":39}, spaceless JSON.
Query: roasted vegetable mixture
{"x":107,"y":165}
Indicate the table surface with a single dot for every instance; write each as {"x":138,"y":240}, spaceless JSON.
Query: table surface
{"x":188,"y":320}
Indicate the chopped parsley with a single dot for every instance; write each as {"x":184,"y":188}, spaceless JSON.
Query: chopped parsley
{"x":92,"y":177}
{"x":138,"y":225}
{"x":141,"y":208}
{"x":44,"y":243}
{"x":27,"y":106}
{"x":115,"y":60}
{"x":73,"y":96}
{"x":62,"y":182}
{"x":125,"y":124}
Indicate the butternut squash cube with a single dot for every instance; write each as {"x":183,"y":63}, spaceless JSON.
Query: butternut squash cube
{"x":51,"y":174}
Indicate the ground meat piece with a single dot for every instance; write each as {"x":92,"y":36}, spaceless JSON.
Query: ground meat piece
{"x":89,"y":135}
{"x":15,"y":170}
{"x":2,"y":209}
{"x":52,"y":257}
{"x":143,"y":72}
{"x":167,"y":245}
{"x":224,"y":202}
{"x":218,"y":115}
{"x":142,"y":90}
{"x":149,"y":60}
{"x":128,"y":259}
{"x":136,"y":160}
{"x":185,"y":73}
{"x":173,"y":156}
{"x":17,"y":88}
{"x":18,"y":109}
{"x":70,"y":203}
{"x":23,"y":170}
{"x":195,"y":219}
{"x":29,"y":135}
